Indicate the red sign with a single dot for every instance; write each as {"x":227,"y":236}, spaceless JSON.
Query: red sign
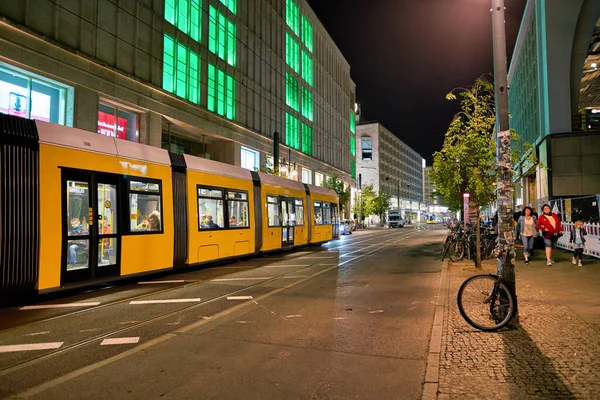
{"x":106,"y":125}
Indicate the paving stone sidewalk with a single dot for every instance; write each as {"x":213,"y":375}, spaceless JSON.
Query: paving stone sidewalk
{"x":554,"y":352}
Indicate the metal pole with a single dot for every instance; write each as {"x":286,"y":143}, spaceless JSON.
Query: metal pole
{"x":398,"y":195}
{"x":276,"y":152}
{"x":503,"y":162}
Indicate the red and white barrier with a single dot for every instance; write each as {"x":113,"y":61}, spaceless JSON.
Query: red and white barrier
{"x":592,"y":240}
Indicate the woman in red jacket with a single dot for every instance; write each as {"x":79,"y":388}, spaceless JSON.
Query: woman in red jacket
{"x":549,"y":224}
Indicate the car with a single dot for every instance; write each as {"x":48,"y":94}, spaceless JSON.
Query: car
{"x":347,"y":226}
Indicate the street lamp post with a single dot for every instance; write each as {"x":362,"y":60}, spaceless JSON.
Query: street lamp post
{"x":503,"y":162}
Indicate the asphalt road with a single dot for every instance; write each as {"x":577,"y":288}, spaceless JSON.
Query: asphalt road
{"x":351,"y":319}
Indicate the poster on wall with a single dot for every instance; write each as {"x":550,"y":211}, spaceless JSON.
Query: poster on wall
{"x":106,"y":125}
{"x":568,"y":210}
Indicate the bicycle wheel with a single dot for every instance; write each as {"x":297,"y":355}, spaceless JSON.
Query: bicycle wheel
{"x":485,"y":302}
{"x":447,"y":245}
{"x":457,"y":251}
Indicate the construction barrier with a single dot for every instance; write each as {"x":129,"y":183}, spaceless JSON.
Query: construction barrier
{"x":592,"y":240}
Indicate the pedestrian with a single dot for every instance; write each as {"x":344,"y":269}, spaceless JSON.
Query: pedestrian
{"x":577,"y":242}
{"x":527,"y":228}
{"x":551,"y":228}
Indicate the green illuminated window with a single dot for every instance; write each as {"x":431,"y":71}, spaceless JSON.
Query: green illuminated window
{"x":307,"y":34}
{"x":230,"y":4}
{"x":352,"y":122}
{"x":291,"y":92}
{"x":307,"y":104}
{"x":353,"y":168}
{"x":221,"y":36}
{"x":221,"y":92}
{"x":291,"y":132}
{"x":307,"y":68}
{"x":292,"y":51}
{"x":292,"y":15}
{"x":306,"y":139}
{"x":353,"y":145}
{"x":181,"y":70}
{"x":186,"y":16}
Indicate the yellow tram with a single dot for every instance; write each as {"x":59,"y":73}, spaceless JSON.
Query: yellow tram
{"x":82,"y":208}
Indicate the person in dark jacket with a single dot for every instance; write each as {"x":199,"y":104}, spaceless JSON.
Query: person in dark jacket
{"x":577,"y":242}
{"x":76,"y":245}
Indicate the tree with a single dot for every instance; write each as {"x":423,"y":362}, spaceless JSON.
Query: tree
{"x":467,"y":161}
{"x":337,"y":185}
{"x":381,"y":204}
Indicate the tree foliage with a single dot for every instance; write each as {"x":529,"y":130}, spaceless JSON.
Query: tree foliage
{"x":337,"y":185}
{"x":381,"y":203}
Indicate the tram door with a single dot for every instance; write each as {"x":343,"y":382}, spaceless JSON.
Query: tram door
{"x":91,"y":239}
{"x":288,"y":217}
{"x":335,"y":221}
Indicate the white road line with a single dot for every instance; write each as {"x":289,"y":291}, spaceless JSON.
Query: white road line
{"x":153,"y":282}
{"x":239,"y":297}
{"x":29,"y":347}
{"x":294,"y":276}
{"x":316,"y":257}
{"x":124,"y":340}
{"x":38,"y":333}
{"x":164,"y":301}
{"x":287,"y":266}
{"x":293,"y":316}
{"x":241,"y":279}
{"x":60,"y":305}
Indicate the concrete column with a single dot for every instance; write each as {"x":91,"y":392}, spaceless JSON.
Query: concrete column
{"x":151,"y":133}
{"x":86,"y":109}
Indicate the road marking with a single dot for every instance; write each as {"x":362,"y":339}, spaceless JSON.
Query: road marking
{"x":239,"y":297}
{"x":124,"y":340}
{"x":38,"y":333}
{"x":60,"y":306}
{"x":293,"y":316}
{"x":164,"y":301}
{"x":29,"y":347}
{"x":376,"y":312}
{"x":153,"y":282}
{"x":127,"y":322}
{"x":294,"y":276}
{"x":287,"y":266}
{"x":89,"y":330}
{"x":317,"y":257}
{"x":241,"y":279}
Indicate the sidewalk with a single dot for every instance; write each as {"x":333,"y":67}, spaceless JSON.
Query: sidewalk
{"x":554,"y":353}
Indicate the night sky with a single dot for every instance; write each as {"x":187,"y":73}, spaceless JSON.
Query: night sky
{"x":406,"y":55}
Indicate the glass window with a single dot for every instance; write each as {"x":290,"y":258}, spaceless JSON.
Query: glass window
{"x":306,"y":139}
{"x":250,"y":159}
{"x":291,"y":92}
{"x":145,"y":213}
{"x":114,"y":122}
{"x":306,"y":176}
{"x":26,"y":96}
{"x":221,"y":92}
{"x":352,"y":145}
{"x":292,"y":14}
{"x":367,"y":148}
{"x":292,"y":53}
{"x":307,"y":34}
{"x":181,"y":70}
{"x":237,"y":203}
{"x":326,"y":213}
{"x":291,"y":131}
{"x":307,"y":68}
{"x":352,"y":120}
{"x":185,"y":15}
{"x":318,"y":208}
{"x":210,"y":208}
{"x":307,"y":104}
{"x":221,"y":36}
{"x":230,"y":4}
{"x":77,"y":194}
{"x":318,"y":179}
{"x":273,"y":214}
{"x":299,"y":211}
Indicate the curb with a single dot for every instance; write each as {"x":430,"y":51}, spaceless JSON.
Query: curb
{"x":432,"y":371}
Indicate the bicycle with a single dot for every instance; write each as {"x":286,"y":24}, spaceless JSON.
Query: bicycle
{"x":485,"y":301}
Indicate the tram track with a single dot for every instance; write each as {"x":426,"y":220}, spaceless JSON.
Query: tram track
{"x":32,"y":361}
{"x":167,"y":290}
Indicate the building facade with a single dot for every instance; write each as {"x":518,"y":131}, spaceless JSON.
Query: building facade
{"x":391,"y":166}
{"x":210,"y":78}
{"x":554,"y":101}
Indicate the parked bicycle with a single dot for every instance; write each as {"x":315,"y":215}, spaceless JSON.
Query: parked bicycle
{"x":485,"y":301}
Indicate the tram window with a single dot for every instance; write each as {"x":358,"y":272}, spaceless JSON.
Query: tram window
{"x":77,"y":222}
{"x":326,"y":213}
{"x":237,"y":205}
{"x":273,"y":211}
{"x":299,"y":211}
{"x":318,"y":212}
{"x":210,"y":208}
{"x":145,"y":213}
